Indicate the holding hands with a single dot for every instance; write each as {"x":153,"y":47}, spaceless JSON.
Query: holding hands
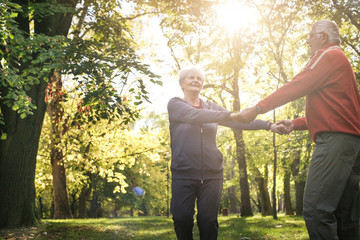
{"x":285,"y":126}
{"x":249,"y":114}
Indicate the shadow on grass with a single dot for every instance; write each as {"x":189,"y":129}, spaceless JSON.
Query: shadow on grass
{"x":161,"y":228}
{"x":157,"y":228}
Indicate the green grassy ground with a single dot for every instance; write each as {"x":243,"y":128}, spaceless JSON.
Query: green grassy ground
{"x":160,"y":228}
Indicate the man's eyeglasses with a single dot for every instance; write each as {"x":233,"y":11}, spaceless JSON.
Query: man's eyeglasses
{"x":314,"y":34}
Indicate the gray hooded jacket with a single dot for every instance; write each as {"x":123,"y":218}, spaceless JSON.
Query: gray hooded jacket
{"x":194,"y":151}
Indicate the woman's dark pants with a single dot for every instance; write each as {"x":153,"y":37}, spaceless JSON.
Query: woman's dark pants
{"x":207,"y":195}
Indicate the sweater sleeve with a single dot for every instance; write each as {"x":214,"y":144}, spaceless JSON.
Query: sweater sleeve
{"x":256,"y":124}
{"x":181,"y":111}
{"x":300,"y":124}
{"x":313,"y":77}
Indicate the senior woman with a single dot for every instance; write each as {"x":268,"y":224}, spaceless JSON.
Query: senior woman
{"x":197,"y":163}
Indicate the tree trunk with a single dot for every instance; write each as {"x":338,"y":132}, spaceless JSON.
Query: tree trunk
{"x":86,"y":191}
{"x":287,"y":198}
{"x":116,"y":208}
{"x":18,"y":152}
{"x":74,"y":205}
{"x":264,"y":197}
{"x":274,"y":175}
{"x":245,"y":208}
{"x":299,"y":191}
{"x":229,"y":174}
{"x":233,"y":199}
{"x":83,"y":198}
{"x":263,"y":192}
{"x":18,"y":161}
{"x":299,"y":183}
{"x":61,"y":200}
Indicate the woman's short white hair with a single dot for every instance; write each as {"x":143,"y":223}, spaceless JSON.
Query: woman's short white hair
{"x":187,"y":71}
{"x":330,"y":28}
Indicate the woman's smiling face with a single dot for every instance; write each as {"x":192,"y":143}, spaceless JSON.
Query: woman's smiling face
{"x":193,"y":82}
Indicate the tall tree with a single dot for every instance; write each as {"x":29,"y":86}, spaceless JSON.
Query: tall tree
{"x":278,"y":20}
{"x":18,"y":152}
{"x":53,"y":98}
{"x":30,"y":57}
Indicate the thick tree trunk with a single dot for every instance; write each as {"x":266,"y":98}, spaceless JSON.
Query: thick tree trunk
{"x":18,"y":161}
{"x":287,"y":198}
{"x":18,"y":152}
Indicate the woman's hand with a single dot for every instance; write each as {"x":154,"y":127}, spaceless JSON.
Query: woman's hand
{"x":283,"y":127}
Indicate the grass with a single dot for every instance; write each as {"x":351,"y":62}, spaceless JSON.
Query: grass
{"x":160,"y":228}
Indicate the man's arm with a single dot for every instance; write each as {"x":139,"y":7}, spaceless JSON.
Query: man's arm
{"x":312,"y":78}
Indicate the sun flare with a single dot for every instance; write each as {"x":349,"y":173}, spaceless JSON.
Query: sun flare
{"x":234,"y":15}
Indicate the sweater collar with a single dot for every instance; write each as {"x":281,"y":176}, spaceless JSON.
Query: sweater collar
{"x":332,"y":45}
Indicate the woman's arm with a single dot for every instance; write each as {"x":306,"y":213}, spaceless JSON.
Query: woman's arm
{"x":181,"y":111}
{"x":256,"y":124}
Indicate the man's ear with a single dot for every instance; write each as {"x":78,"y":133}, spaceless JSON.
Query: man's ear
{"x":325,"y":38}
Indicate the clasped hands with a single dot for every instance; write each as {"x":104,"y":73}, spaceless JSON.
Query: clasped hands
{"x":249,"y":114}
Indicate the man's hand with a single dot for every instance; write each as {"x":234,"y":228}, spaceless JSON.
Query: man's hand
{"x":247,"y":115}
{"x":277,"y":128}
{"x":285,"y":126}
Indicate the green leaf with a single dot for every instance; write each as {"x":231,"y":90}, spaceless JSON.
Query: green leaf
{"x":15,"y":107}
{"x":23,"y":115}
{"x":3,"y":136}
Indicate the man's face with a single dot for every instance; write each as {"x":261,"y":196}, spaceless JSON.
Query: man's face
{"x":316,"y":40}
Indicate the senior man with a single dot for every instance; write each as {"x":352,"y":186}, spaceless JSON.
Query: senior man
{"x":331,"y":198}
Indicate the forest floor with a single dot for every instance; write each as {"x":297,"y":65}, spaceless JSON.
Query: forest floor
{"x":232,"y":227}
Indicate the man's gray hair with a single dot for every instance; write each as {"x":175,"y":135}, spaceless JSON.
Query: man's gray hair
{"x":186,"y":71}
{"x":330,"y":28}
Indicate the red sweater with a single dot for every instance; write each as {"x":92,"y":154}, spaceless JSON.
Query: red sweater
{"x":332,"y":95}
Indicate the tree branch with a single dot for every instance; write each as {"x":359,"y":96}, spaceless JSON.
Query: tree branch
{"x":351,"y":45}
{"x":140,"y":15}
{"x":347,"y":13}
{"x":215,"y":86}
